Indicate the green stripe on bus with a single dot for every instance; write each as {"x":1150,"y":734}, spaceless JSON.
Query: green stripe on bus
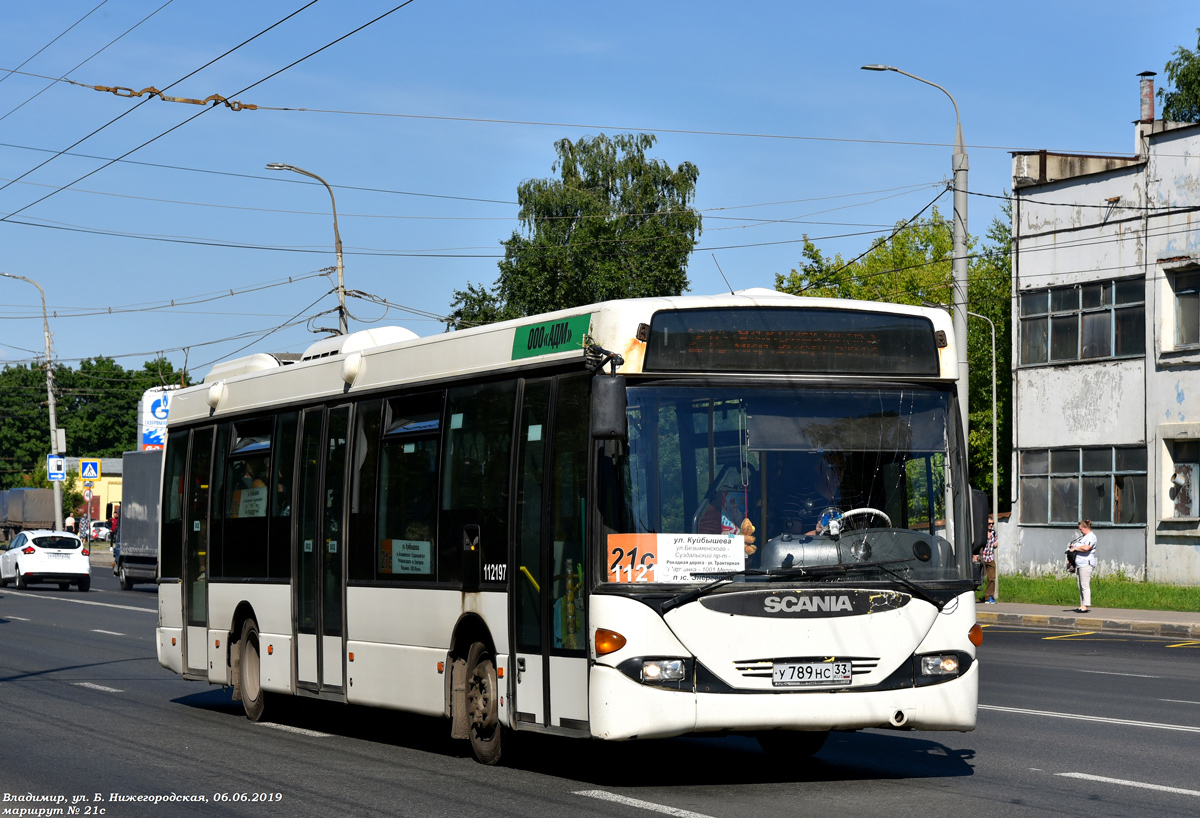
{"x":550,"y":336}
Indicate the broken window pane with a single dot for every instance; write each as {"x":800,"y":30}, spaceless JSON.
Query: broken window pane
{"x":1097,"y":504}
{"x":1131,"y":330}
{"x":1097,"y":335}
{"x":1033,"y":341}
{"x":1034,"y":509}
{"x":1064,"y":499}
{"x":1064,"y":338}
{"x":1064,"y":461}
{"x":1129,"y":498}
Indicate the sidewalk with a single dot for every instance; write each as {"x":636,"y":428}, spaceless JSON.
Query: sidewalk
{"x":1185,"y":625}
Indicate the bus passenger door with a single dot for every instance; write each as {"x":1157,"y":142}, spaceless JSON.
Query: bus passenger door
{"x":526,"y":597}
{"x":549,"y":577}
{"x":195,"y":582}
{"x":320,"y":550}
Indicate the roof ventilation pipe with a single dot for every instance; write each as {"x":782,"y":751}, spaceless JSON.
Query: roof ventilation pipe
{"x":1147,"y":95}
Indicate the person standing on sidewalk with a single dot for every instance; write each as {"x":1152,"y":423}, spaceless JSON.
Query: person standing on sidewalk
{"x":1085,"y":562}
{"x":987,"y":558}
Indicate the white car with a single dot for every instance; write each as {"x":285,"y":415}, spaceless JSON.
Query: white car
{"x":101,"y":531}
{"x":46,"y":556}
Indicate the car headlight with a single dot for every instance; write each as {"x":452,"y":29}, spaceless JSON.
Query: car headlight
{"x":663,"y":670}
{"x":939,"y":665}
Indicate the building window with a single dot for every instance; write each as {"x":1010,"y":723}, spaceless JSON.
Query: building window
{"x":1084,"y":322}
{"x":1187,"y":309}
{"x":1185,"y":478}
{"x":1104,"y":484}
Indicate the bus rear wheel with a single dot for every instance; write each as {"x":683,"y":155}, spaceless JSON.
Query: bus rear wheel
{"x":792,"y":743}
{"x":249,"y":665}
{"x":483,"y":700}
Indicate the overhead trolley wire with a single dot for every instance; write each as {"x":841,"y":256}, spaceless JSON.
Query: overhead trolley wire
{"x":94,"y":54}
{"x":134,"y":108}
{"x":62,"y":34}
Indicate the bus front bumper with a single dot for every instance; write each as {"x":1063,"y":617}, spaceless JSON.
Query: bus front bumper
{"x":624,"y":709}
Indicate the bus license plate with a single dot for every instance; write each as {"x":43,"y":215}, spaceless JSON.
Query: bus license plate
{"x":794,"y":674}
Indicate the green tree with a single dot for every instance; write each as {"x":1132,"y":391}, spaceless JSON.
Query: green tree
{"x":614,"y":225}
{"x":96,"y":405}
{"x":914,"y":266}
{"x":72,"y":498}
{"x":1182,"y":103}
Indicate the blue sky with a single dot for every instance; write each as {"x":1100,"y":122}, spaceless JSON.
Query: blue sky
{"x":426,"y":184}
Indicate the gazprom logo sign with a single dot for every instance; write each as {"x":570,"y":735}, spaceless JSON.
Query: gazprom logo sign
{"x":153,"y":410}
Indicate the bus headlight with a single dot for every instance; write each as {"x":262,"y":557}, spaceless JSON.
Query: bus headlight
{"x":663,"y":670}
{"x":944,"y":665}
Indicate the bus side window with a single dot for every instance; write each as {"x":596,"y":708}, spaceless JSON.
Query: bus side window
{"x":475,"y":473}
{"x":406,"y":541}
{"x":171,"y":556}
{"x":364,"y":463}
{"x":568,"y":506}
{"x":279,"y":551}
{"x":245,"y":498}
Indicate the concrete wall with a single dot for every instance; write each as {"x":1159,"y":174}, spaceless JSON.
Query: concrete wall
{"x":1101,"y":404}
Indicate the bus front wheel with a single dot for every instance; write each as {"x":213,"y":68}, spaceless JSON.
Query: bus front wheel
{"x":792,"y":743}
{"x":253,"y":698}
{"x":483,"y":699}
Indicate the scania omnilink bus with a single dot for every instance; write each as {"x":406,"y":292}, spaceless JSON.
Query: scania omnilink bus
{"x":646,"y":518}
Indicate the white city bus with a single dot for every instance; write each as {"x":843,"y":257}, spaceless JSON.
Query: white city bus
{"x":647,"y":518}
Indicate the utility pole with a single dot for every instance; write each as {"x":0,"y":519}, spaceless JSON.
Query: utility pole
{"x":337,"y":240}
{"x":58,"y":516}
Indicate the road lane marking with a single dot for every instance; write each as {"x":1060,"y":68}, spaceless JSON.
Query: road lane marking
{"x":1179,"y":701}
{"x":1080,"y":717}
{"x":1069,"y":635}
{"x":17,"y":618}
{"x":101,"y":688}
{"x":85,"y":602}
{"x":1186,"y":645}
{"x":298,"y":730}
{"x":640,"y":804}
{"x":1140,"y":784}
{"x":110,"y":633}
{"x":1112,"y":673}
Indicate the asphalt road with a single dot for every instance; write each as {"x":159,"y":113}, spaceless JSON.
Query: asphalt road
{"x":1084,"y":725}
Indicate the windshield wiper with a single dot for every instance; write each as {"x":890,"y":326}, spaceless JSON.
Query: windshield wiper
{"x":825,"y":570}
{"x":694,"y":594}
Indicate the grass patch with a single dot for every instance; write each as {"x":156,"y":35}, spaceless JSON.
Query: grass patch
{"x":1112,"y":591}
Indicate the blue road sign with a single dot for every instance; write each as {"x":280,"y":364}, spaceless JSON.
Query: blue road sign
{"x":89,"y":469}
{"x":56,"y":467}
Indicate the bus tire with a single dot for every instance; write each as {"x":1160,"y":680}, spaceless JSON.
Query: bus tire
{"x":248,"y":667}
{"x":482,"y":702}
{"x":784,"y":744}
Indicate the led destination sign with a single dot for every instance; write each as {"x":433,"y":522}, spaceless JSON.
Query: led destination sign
{"x":795,"y":340}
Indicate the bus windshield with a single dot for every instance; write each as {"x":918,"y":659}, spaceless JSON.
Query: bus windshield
{"x":784,"y":482}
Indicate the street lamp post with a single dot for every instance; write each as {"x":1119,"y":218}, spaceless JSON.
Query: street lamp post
{"x":960,"y":242}
{"x":58,"y":518}
{"x":337,"y":240}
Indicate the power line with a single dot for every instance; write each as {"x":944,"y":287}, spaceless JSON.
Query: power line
{"x":17,"y":70}
{"x":134,"y":108}
{"x":94,"y":54}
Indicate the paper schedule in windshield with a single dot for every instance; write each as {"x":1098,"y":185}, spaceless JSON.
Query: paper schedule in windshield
{"x":672,"y":557}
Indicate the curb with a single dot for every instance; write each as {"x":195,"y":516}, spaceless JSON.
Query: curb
{"x":1082,"y":623}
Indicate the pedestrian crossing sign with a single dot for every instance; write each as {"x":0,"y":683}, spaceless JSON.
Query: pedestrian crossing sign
{"x":89,"y":469}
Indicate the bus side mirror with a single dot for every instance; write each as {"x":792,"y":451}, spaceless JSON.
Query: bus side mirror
{"x":609,"y":403}
{"x":979,"y":515}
